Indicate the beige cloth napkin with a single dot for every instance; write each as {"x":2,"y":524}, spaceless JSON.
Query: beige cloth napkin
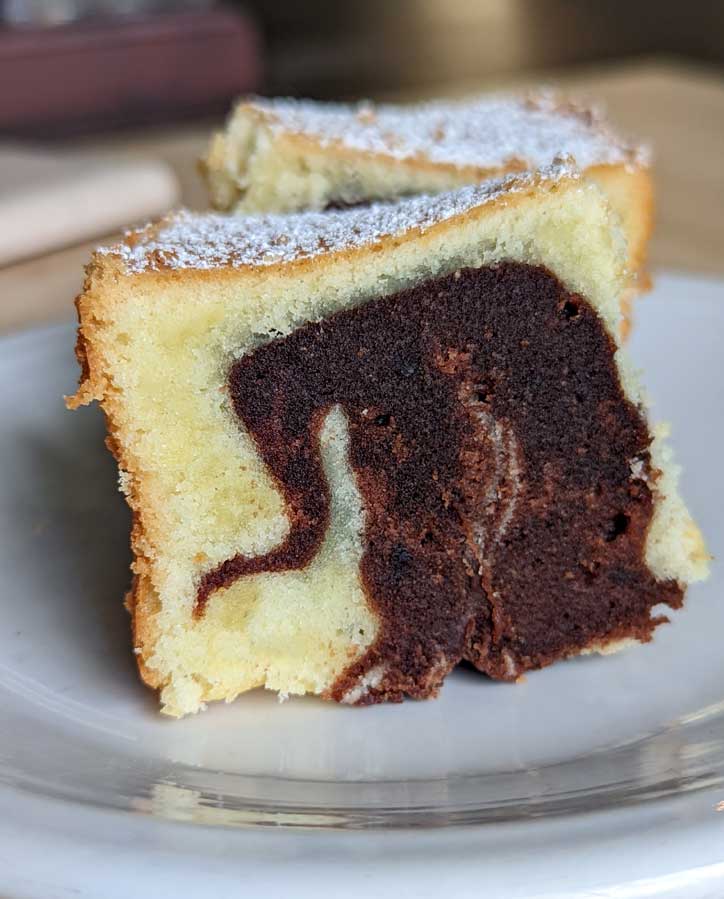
{"x":49,"y":201}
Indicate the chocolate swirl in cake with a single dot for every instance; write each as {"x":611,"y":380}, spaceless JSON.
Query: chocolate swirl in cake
{"x":502,"y":470}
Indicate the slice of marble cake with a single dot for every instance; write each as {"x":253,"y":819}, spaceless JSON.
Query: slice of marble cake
{"x":363,"y":445}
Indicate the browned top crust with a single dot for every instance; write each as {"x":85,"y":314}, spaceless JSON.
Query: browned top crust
{"x":489,"y":132}
{"x":188,"y":240}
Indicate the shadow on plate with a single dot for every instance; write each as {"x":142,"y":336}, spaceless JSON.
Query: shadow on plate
{"x":69,"y":539}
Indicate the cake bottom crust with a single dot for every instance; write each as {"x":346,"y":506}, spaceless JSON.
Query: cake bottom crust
{"x":505,"y":477}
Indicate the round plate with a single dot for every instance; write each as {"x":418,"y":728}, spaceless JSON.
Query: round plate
{"x":81,"y":737}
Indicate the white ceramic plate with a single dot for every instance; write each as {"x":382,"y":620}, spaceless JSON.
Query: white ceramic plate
{"x":599,"y":773}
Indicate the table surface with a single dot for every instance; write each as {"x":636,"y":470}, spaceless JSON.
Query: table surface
{"x":678,"y":109}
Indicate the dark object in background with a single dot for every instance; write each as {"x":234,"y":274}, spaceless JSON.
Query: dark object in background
{"x":108,"y":72}
{"x":344,"y":50}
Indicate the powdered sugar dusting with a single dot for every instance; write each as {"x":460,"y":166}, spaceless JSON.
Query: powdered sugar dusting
{"x":211,"y":240}
{"x":484,"y":132}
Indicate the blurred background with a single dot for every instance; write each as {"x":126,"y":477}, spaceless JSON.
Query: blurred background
{"x":157,"y":59}
{"x":105,"y":105}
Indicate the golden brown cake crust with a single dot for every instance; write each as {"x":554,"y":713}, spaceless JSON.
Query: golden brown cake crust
{"x":478,"y":138}
{"x":184,"y":242}
{"x":140,"y":601}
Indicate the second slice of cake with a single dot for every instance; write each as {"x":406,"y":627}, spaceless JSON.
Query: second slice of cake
{"x":363,"y":445}
{"x":283,"y":155}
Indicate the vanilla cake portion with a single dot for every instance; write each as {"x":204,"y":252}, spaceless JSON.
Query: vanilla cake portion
{"x":363,"y":445}
{"x":282,"y":155}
